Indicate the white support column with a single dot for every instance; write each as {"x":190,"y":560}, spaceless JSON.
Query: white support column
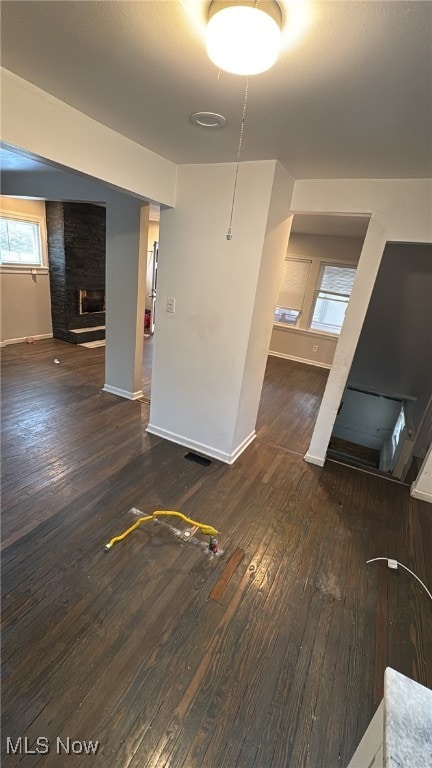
{"x":125,"y":297}
{"x":278,"y":228}
{"x":207,"y":367}
{"x":370,"y":259}
{"x":421,"y":488}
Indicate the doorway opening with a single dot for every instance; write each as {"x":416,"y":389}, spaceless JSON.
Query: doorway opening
{"x":384,"y":422}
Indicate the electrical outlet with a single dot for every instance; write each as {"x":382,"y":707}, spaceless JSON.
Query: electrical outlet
{"x":315,"y":348}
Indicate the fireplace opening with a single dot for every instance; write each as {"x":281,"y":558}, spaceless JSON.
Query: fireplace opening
{"x":90,"y":301}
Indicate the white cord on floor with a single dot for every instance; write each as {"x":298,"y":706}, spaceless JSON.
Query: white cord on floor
{"x":395,"y":564}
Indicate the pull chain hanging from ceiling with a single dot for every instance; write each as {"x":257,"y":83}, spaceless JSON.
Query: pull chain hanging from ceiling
{"x":245,"y":100}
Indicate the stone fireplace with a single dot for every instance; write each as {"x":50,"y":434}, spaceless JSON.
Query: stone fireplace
{"x":76,"y":253}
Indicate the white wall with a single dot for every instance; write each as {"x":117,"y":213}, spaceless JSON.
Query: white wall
{"x":25,"y":297}
{"x":200,"y":352}
{"x":300,"y":346}
{"x":276,"y":238}
{"x":298,"y":343}
{"x":125,"y":290}
{"x":35,"y":121}
{"x":422,"y":486}
{"x":403,"y":206}
{"x":34,"y":208}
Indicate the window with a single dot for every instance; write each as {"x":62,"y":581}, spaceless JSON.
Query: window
{"x":20,"y":242}
{"x":335,"y":285}
{"x":294,"y":279}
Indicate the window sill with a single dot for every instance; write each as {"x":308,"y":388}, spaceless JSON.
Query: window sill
{"x":25,"y":270}
{"x":305,"y":331}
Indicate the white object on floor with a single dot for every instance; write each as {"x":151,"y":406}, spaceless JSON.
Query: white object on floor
{"x":91,"y":344}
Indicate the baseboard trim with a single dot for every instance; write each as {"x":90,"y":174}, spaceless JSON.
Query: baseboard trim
{"x":421,"y":495}
{"x":22,"y":339}
{"x":318,"y":460}
{"x":242,"y":447}
{"x":122,"y":392}
{"x":195,"y":445}
{"x":299,"y":359}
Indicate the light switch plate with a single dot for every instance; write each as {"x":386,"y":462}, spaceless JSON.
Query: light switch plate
{"x":170,"y":305}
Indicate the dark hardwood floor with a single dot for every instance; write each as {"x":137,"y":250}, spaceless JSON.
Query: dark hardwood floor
{"x":269,"y":656}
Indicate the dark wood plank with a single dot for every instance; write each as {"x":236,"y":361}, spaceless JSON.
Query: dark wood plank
{"x":219,"y":588}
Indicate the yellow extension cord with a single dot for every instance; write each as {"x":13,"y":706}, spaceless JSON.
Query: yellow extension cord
{"x":207,"y":530}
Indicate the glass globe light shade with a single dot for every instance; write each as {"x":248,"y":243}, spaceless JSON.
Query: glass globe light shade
{"x":243,"y":40}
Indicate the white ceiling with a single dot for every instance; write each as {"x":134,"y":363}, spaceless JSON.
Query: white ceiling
{"x":12,"y":160}
{"x":352,"y":99}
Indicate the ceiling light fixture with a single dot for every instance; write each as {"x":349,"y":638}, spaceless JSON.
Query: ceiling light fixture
{"x":244,"y":36}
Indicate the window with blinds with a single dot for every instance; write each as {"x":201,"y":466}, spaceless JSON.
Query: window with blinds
{"x":332,"y":296}
{"x":294,"y":279}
